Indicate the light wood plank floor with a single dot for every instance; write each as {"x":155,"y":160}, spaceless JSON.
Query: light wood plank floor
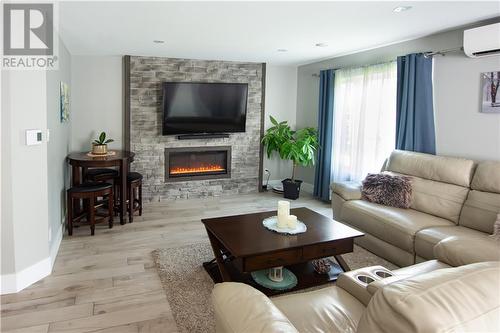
{"x":108,"y":283}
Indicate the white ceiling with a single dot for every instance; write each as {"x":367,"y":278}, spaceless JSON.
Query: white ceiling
{"x":253,"y":31}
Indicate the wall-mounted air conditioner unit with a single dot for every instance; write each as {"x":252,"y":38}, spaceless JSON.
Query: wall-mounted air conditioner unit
{"x":483,"y":41}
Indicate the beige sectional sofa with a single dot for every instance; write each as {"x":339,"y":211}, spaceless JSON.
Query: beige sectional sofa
{"x":403,"y":302}
{"x":451,"y":197}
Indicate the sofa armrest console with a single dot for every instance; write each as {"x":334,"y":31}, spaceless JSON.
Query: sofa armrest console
{"x":356,"y":282}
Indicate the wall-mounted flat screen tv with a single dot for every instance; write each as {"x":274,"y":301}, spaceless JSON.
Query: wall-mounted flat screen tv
{"x":199,"y":107}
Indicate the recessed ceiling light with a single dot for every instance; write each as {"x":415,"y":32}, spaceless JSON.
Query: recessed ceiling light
{"x":321,"y":44}
{"x":401,"y":9}
{"x":158,"y":41}
{"x":282,"y":50}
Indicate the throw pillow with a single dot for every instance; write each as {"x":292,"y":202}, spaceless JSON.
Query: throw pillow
{"x":496,"y":229}
{"x":388,"y":190}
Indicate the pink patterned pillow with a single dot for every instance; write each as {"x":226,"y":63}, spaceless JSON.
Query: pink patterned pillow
{"x":387,"y":190}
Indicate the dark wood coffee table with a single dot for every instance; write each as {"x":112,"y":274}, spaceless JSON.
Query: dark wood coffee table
{"x":241,"y":245}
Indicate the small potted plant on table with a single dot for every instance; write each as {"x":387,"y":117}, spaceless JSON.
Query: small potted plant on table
{"x":297,"y":146}
{"x":100,"y":145}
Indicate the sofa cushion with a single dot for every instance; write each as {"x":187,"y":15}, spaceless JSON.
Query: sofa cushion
{"x":458,"y":251}
{"x":396,"y":226}
{"x":480,"y":211}
{"x":426,"y":239}
{"x":347,"y":190}
{"x":451,"y":170}
{"x":329,"y":309}
{"x":458,"y":299}
{"x":487,"y":177}
{"x":239,"y":307}
{"x":437,"y":198}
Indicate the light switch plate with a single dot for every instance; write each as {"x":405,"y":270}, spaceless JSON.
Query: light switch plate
{"x":34,"y":137}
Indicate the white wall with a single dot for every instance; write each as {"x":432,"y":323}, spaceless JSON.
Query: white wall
{"x":460,"y":129}
{"x":281,"y":96}
{"x":57,"y":149}
{"x":97,"y":100}
{"x":33,"y":177}
{"x":25,"y":213}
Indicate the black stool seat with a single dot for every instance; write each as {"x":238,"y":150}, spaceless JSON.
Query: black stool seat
{"x":101,"y":173}
{"x":133,"y":176}
{"x":89,"y":187}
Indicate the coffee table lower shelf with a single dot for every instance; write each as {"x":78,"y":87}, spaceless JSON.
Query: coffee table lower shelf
{"x":306,"y":276}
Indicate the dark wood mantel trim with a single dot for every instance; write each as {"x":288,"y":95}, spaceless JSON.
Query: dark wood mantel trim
{"x":126,"y":102}
{"x":262,"y":119}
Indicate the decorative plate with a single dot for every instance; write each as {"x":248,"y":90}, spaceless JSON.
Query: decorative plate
{"x":271,"y":223}
{"x":109,"y":153}
{"x":261,"y":278}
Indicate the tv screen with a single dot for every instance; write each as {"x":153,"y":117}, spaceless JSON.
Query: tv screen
{"x":190,"y":108}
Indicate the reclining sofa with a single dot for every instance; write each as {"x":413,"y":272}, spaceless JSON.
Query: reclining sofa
{"x":431,"y":296}
{"x":450,"y":197}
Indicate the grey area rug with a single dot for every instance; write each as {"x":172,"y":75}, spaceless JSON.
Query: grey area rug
{"x":188,"y":286}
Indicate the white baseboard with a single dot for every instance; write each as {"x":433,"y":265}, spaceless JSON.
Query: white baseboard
{"x":15,"y":282}
{"x":54,"y":249}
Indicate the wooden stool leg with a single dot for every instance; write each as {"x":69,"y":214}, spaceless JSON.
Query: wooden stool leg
{"x":117,"y":197}
{"x":131,"y":203}
{"x":86,"y":208}
{"x":110,"y":209}
{"x":92,"y":215}
{"x":140,"y":198}
{"x":69,"y":218}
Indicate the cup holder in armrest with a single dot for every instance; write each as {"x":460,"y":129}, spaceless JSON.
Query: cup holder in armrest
{"x":383,"y":274}
{"x":365,"y":279}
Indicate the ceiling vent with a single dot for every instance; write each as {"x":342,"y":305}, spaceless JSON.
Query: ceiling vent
{"x":483,"y":41}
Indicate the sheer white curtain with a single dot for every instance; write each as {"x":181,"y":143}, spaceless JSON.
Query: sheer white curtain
{"x":364,"y":120}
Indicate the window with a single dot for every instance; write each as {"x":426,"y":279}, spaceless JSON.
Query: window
{"x":364,"y":120}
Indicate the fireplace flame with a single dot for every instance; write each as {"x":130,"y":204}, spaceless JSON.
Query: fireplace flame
{"x":200,"y":169}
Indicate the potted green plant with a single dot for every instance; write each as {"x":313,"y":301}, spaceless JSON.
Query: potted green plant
{"x":297,"y":146}
{"x":100,"y":145}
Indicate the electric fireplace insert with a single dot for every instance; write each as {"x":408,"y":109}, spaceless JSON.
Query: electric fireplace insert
{"x":197,"y":163}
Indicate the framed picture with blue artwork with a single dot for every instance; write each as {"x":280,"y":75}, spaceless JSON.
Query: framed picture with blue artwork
{"x":64,"y":102}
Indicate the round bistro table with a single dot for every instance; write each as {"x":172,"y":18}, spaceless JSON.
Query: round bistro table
{"x":81,"y":161}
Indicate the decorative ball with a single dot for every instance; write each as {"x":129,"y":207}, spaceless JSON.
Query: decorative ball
{"x":321,"y":266}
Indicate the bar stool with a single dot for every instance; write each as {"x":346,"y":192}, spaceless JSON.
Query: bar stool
{"x":101,"y":174}
{"x":133,"y":198}
{"x":134,"y":189}
{"x":104,"y":175}
{"x":89,"y":192}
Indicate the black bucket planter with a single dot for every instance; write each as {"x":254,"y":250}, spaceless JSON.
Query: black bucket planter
{"x":291,"y":188}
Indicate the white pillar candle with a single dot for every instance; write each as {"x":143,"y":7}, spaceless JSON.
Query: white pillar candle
{"x":292,"y":222}
{"x":283,"y":213}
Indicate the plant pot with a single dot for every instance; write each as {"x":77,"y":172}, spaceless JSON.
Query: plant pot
{"x":99,"y":149}
{"x":291,"y":188}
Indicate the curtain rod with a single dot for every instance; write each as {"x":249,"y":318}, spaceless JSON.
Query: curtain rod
{"x":442,"y":52}
{"x":356,"y":66}
{"x":426,"y":54}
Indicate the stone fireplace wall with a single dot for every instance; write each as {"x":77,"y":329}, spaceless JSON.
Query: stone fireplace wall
{"x":145,"y":77}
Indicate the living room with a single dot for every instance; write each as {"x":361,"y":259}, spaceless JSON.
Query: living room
{"x":250,"y":166}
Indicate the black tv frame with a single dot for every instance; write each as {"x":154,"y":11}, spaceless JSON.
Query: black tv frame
{"x":209,"y":134}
